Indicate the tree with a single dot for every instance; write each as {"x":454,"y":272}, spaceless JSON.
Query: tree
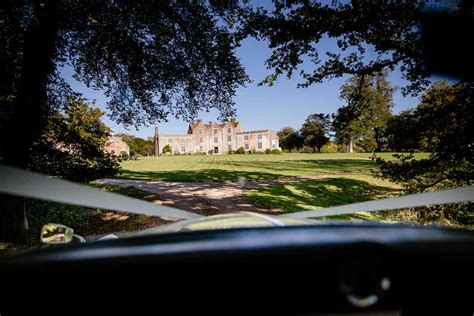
{"x":138,"y":145}
{"x":289,"y":138}
{"x":315,"y":130}
{"x":445,"y":118}
{"x":152,"y":59}
{"x":166,"y":149}
{"x":403,"y":132}
{"x":363,"y":120}
{"x":72,"y":146}
{"x":368,"y":36}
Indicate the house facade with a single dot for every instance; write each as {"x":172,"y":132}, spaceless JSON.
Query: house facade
{"x":216,"y":138}
{"x":116,"y":146}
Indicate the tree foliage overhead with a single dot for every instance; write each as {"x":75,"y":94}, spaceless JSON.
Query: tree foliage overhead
{"x":151,"y":58}
{"x":370,"y":36}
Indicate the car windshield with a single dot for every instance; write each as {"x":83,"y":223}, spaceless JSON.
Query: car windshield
{"x":231,"y":114}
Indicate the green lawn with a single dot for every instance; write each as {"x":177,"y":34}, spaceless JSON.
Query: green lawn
{"x":315,"y":194}
{"x":252,"y":167}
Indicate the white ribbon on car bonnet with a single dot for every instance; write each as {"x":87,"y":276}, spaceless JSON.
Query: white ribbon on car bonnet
{"x":457,"y":195}
{"x":32,"y":185}
{"x":18,"y":182}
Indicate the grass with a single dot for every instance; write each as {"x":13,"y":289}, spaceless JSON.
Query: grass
{"x":84,"y":221}
{"x":315,"y":194}
{"x":251,"y":167}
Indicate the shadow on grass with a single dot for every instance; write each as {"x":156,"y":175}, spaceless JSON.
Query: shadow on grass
{"x":205,"y":175}
{"x":254,"y":170}
{"x":308,"y":166}
{"x":323,"y":193}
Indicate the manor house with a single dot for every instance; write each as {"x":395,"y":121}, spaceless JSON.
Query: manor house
{"x":216,"y":138}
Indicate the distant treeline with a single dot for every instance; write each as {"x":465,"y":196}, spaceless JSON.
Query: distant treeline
{"x":138,"y":146}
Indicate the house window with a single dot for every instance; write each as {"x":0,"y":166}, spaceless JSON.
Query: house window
{"x":216,"y":131}
{"x":216,"y":139}
{"x":260,"y":146}
{"x":200,"y":131}
{"x":170,"y":140}
{"x":183,"y":149}
{"x":201,"y":140}
{"x":201,"y":148}
{"x":229,"y":138}
{"x":230,"y":147}
{"x":247,"y":146}
{"x":246,"y":137}
{"x":182,"y":140}
{"x":259,"y":136}
{"x":229,"y":130}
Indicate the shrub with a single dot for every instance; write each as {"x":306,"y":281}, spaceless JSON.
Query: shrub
{"x":330,"y":147}
{"x":268,"y":151}
{"x":168,"y":153}
{"x":285,"y":151}
{"x":307,"y":150}
{"x":275,"y":152}
{"x":241,"y":151}
{"x":166,"y":149}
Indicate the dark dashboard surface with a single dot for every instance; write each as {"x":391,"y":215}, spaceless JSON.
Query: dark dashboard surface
{"x":280,"y":270}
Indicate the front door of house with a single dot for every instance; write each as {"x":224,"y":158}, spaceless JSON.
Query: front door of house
{"x":216,"y":150}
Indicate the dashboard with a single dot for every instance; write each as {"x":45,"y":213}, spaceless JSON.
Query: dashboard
{"x":305,"y":270}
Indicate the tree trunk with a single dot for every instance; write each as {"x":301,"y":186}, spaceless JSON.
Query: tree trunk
{"x":30,"y":109}
{"x":351,"y":146}
{"x":13,"y":223}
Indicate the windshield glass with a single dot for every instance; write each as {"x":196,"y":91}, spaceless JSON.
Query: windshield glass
{"x":217,"y":108}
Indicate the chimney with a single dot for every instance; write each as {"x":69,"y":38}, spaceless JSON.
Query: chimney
{"x":156,"y":142}
{"x":210,"y":122}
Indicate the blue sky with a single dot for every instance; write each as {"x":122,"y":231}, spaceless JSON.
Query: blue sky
{"x":260,"y":107}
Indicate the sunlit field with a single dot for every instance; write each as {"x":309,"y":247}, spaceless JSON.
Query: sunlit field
{"x":251,"y":167}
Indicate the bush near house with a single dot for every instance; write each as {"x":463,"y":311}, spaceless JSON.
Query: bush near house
{"x":166,"y":149}
{"x":275,"y":152}
{"x":240,"y":151}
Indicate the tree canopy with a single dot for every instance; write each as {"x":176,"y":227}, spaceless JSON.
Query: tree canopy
{"x":369,"y":100}
{"x":445,"y":120}
{"x":315,"y":130}
{"x":369,"y":37}
{"x":289,"y":138}
{"x":73,"y":144}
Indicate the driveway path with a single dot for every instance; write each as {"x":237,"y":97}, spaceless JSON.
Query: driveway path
{"x":208,"y":198}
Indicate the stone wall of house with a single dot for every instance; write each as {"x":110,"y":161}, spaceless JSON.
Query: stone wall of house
{"x":116,"y":146}
{"x":179,"y":144}
{"x":258,"y":140}
{"x":217,"y":138}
